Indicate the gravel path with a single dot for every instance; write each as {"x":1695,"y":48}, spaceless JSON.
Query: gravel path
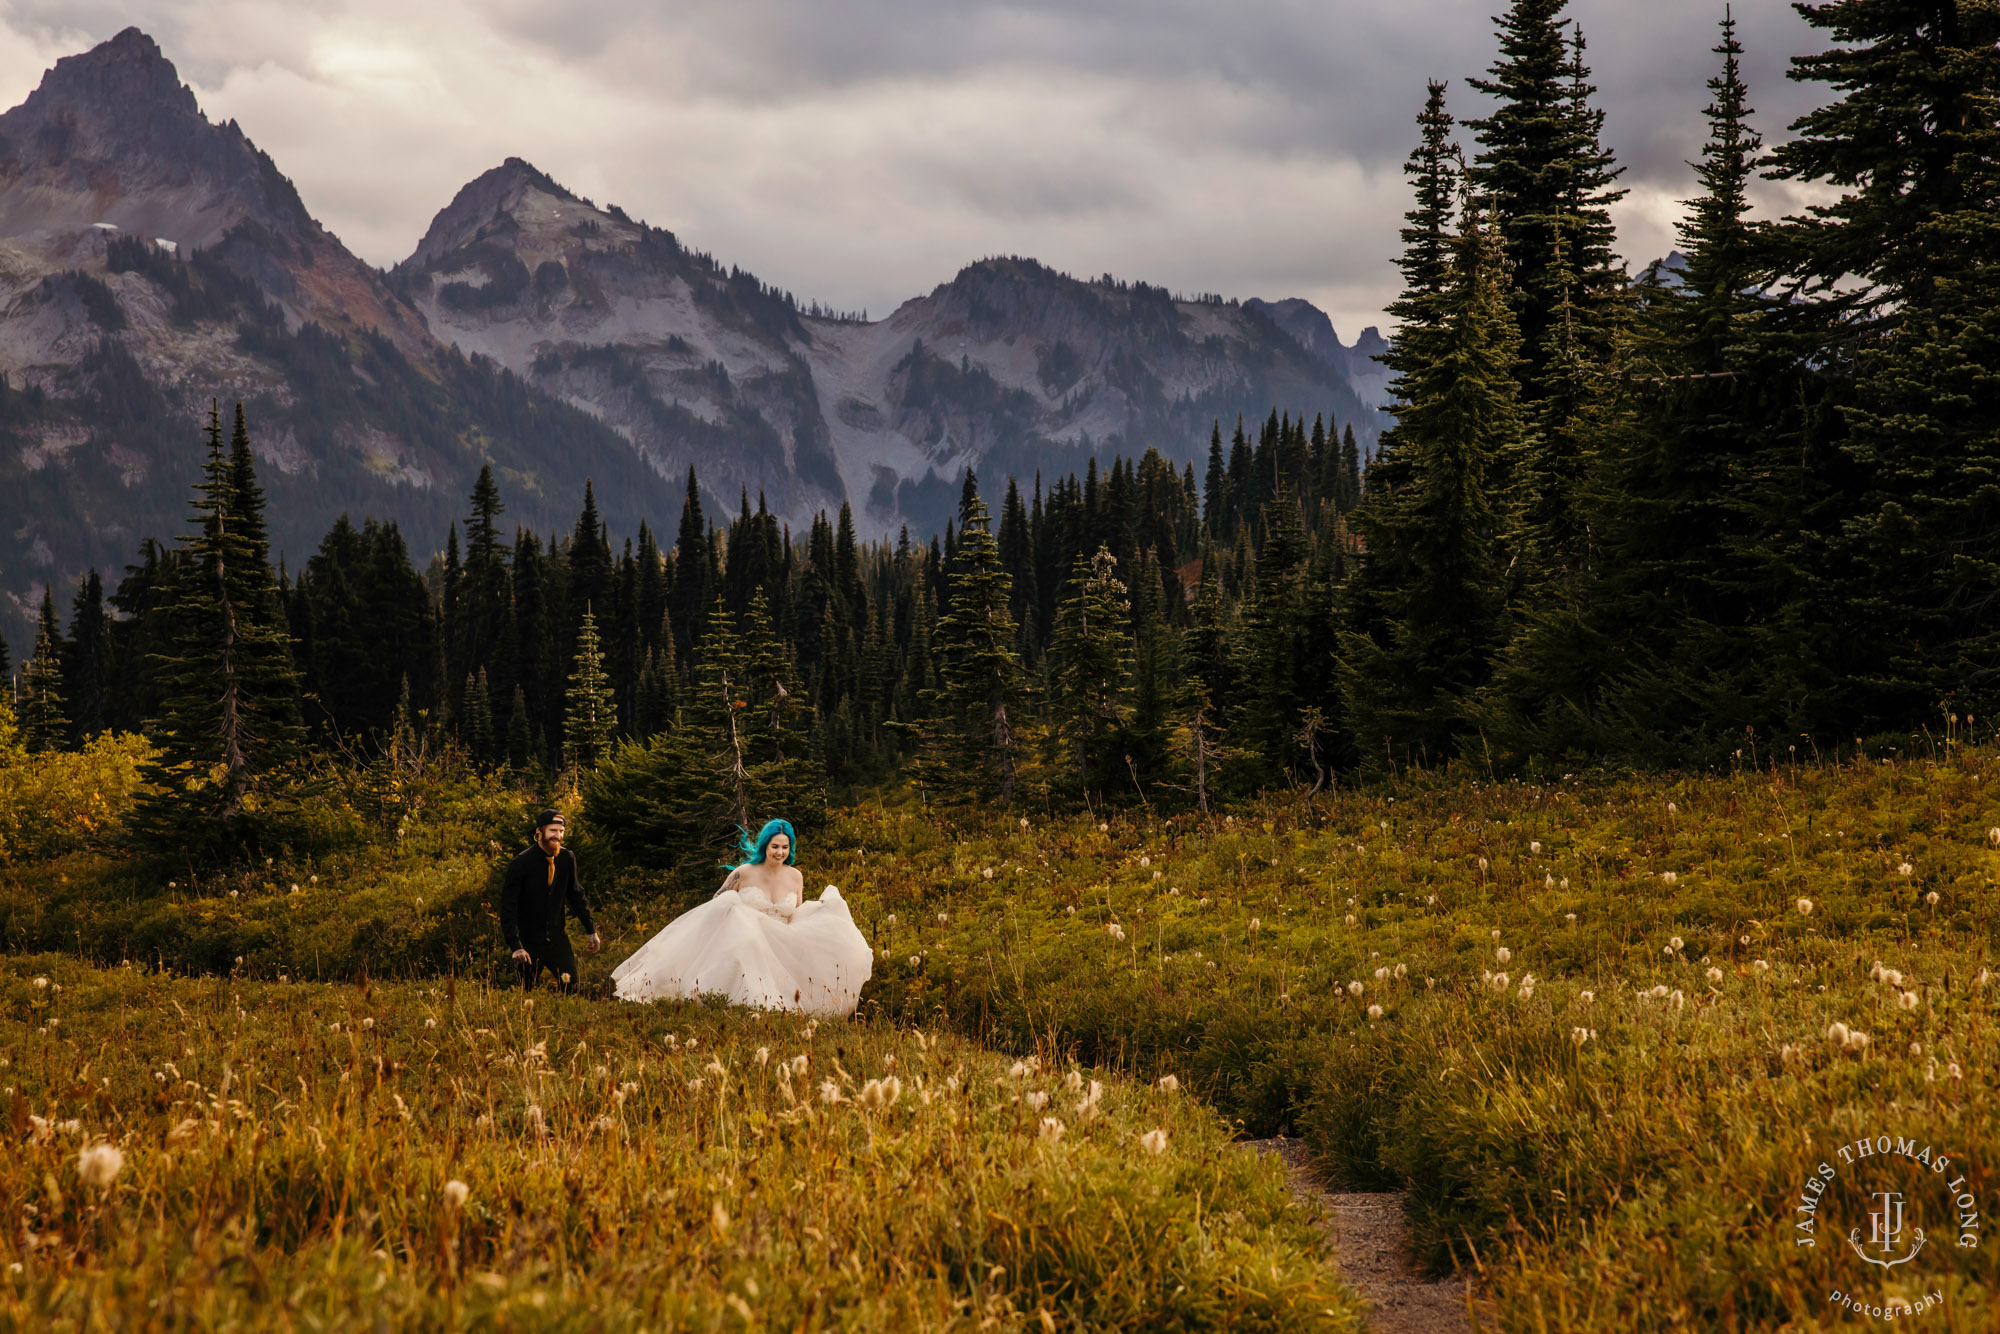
{"x":1370,"y":1238}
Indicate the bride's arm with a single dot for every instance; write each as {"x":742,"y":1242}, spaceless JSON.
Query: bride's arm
{"x":734,"y":880}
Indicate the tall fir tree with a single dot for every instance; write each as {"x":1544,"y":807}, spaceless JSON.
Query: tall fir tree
{"x":230,"y":710}
{"x":89,"y":660}
{"x":1907,"y":259}
{"x":44,"y":712}
{"x":978,"y":735}
{"x":1091,"y":663}
{"x":1431,"y":567}
{"x":591,"y":721}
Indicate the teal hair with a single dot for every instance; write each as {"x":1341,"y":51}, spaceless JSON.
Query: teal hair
{"x":754,"y":849}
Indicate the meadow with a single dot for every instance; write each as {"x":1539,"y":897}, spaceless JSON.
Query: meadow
{"x":1604,"y":1030}
{"x":230,"y":1153}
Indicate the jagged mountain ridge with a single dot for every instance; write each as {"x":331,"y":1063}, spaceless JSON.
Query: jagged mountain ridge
{"x":1008,"y":367}
{"x":151,"y":260}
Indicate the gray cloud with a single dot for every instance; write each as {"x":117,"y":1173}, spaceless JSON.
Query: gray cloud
{"x":861,"y":151}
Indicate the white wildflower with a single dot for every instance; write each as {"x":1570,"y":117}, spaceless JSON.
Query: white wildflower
{"x":1374,"y":1012}
{"x":455,"y":1193}
{"x":1170,"y":1083}
{"x":1052,"y":1130}
{"x":1154,"y":1142}
{"x":99,"y":1164}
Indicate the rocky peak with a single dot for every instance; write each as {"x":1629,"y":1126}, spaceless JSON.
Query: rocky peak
{"x":127,"y":73}
{"x":492,"y":199}
{"x":113,"y":136}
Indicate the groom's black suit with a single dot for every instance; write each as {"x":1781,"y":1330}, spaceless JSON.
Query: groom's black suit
{"x":534,"y":901}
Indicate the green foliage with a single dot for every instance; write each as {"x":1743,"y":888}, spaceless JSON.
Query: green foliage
{"x":593,"y":715}
{"x":230,"y":713}
{"x":1430,"y":574}
{"x":63,"y":801}
{"x":1091,"y":658}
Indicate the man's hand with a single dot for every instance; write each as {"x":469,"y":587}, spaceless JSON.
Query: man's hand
{"x":596,"y":942}
{"x":522,"y":956}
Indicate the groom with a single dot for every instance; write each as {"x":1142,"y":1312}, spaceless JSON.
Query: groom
{"x":541,"y":883}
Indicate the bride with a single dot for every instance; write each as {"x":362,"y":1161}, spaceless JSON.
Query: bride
{"x":757,"y":942}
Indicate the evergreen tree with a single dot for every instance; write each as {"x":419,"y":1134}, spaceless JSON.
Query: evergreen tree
{"x":976,"y":742}
{"x":478,"y":716}
{"x":88,"y":662}
{"x":1091,"y":661}
{"x":591,"y":721}
{"x":520,"y":745}
{"x":230,"y":713}
{"x":1430,"y":570}
{"x":44,"y":712}
{"x":1905,"y":265}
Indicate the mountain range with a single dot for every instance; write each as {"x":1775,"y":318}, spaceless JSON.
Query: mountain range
{"x":152,"y":261}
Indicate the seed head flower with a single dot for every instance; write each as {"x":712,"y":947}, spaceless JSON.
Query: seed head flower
{"x":1535,"y":847}
{"x":1587,"y":997}
{"x":1904,"y":868}
{"x":1675,"y":943}
{"x":1504,"y":955}
{"x":1836,"y":1032}
{"x":881,"y":1094}
{"x":99,"y":1164}
{"x":1570,"y":918}
{"x":1073,"y":1081}
{"x":1581,"y":1035}
{"x":1052,"y":1130}
{"x":1669,"y":878}
{"x":1908,"y":1000}
{"x":1679,"y":1000}
{"x":1355,"y":988}
{"x":1482,"y":863}
{"x":1953,"y":1070}
{"x":1548,"y":882}
{"x":1381,"y":974}
{"x":1805,"y":906}
{"x":1916,"y":1049}
{"x":1349,"y":919}
{"x":455,"y":1193}
{"x":41,"y":984}
{"x":1256,"y":923}
{"x":1154,"y":1142}
{"x":1993,"y":836}
{"x":1501,"y":982}
{"x":1715,"y":977}
{"x":1931,"y":898}
{"x":1170,"y":1083}
{"x":1760,"y":965}
{"x":1374,"y":1012}
{"x":1402,"y":970}
{"x":829,"y":1092}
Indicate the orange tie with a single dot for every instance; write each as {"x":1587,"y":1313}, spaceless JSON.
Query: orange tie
{"x":552,"y":870}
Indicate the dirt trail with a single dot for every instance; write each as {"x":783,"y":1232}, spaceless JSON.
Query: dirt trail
{"x":1372,"y":1242}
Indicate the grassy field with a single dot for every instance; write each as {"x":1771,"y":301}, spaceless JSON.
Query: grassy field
{"x":1589,"y":1025}
{"x":1604,"y":1031}
{"x":228,"y":1153}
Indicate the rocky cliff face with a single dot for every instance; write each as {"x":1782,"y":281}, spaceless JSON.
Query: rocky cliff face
{"x":1007,"y":368}
{"x":152,"y":261}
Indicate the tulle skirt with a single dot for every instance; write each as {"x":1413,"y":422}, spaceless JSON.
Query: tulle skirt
{"x":815,"y":962}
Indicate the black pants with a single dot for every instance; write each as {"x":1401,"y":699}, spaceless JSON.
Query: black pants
{"x":553,"y":953}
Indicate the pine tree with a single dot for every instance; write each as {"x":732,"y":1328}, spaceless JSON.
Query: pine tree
{"x":520,"y":746}
{"x":478,"y":728}
{"x":230,"y":711}
{"x":44,"y":712}
{"x":89,"y":667}
{"x":1091,"y":661}
{"x":975,"y":746}
{"x":1913,"y":141}
{"x":591,"y":720}
{"x":1430,"y":571}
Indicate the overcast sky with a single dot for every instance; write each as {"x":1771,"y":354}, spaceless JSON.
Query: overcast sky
{"x":861,"y":151}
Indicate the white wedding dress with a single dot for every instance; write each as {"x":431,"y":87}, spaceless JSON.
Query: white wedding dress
{"x":794,"y":955}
